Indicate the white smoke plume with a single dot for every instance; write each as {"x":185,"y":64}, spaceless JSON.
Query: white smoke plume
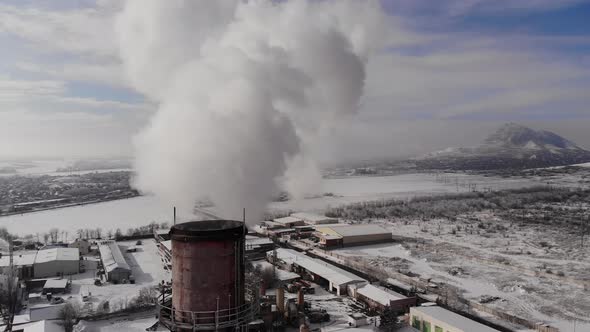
{"x":242,"y":88}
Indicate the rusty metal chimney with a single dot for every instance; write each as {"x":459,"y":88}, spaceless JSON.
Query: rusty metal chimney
{"x":207,"y":277}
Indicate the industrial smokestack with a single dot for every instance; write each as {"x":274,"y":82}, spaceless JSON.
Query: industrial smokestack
{"x":207,"y":276}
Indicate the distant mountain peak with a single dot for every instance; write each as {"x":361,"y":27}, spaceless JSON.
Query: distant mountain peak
{"x":513,"y":135}
{"x":511,"y":146}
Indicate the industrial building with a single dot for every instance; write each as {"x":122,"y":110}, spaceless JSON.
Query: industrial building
{"x":115,"y":267}
{"x":349,"y":235}
{"x":56,"y":262}
{"x":22,"y":261}
{"x":55,"y":286}
{"x":289,"y":222}
{"x":44,"y":263}
{"x":82,"y":244}
{"x":314,"y":219}
{"x":335,"y":278}
{"x":435,"y":319}
{"x":379,"y":298}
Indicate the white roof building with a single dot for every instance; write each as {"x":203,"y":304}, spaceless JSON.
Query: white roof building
{"x":114,"y":263}
{"x":112,"y":257}
{"x":18,"y":259}
{"x":435,"y":316}
{"x":356,"y":234}
{"x":57,"y":254}
{"x":56,"y":262}
{"x":337,"y":277}
{"x":379,"y":295}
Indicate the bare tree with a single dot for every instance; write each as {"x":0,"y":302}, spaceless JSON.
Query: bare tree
{"x":98,"y":233}
{"x":69,"y":316}
{"x":53,"y":234}
{"x":8,"y":289}
{"x":45,"y":237}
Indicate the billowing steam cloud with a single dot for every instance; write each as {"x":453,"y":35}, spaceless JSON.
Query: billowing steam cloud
{"x":243,"y":88}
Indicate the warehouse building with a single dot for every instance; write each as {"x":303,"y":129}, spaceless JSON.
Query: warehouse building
{"x":56,"y":262}
{"x":289,"y":222}
{"x":437,"y":319}
{"x":334,"y":278}
{"x":379,"y":298}
{"x":115,"y":267}
{"x":314,"y":219}
{"x":349,"y":235}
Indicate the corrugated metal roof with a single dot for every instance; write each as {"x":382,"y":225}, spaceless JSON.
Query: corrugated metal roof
{"x":379,"y":295}
{"x":453,"y":319}
{"x":327,"y":271}
{"x":112,"y":257}
{"x":56,"y":283}
{"x":18,"y":259}
{"x":57,"y":254}
{"x":288,"y":220}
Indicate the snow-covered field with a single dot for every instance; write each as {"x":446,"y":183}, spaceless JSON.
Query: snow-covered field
{"x":123,"y":214}
{"x":140,"y":211}
{"x":504,"y":264}
{"x":46,"y":167}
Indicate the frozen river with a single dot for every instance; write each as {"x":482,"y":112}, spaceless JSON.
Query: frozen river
{"x":139,"y":211}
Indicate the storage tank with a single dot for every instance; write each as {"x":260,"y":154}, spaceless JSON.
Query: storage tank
{"x":207,"y":270}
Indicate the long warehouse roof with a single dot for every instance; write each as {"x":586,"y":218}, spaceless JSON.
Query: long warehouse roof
{"x":453,"y":319}
{"x":327,"y":271}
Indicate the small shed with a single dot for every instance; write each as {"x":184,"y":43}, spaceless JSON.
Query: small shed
{"x":55,"y":286}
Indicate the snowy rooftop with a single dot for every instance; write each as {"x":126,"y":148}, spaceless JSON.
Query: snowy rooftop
{"x":357,"y":230}
{"x":56,"y":283}
{"x":57,"y":254}
{"x":327,"y":271}
{"x":40,"y":326}
{"x":453,"y":319}
{"x":379,"y":295}
{"x":287,"y":220}
{"x":19,"y":259}
{"x":112,"y":257}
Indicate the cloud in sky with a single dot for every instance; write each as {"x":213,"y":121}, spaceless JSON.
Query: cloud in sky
{"x":450,"y":72}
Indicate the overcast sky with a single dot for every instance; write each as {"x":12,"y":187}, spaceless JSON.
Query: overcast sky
{"x":452,"y":72}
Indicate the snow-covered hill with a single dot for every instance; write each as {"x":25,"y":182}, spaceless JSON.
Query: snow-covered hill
{"x":511,"y":146}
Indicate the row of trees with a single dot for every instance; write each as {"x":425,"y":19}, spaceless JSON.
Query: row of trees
{"x":449,"y":206}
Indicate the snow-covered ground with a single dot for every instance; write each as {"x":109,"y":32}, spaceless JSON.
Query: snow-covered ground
{"x":140,"y":211}
{"x":133,"y":323}
{"x":145,"y":265}
{"x":503,"y":264}
{"x":358,"y":189}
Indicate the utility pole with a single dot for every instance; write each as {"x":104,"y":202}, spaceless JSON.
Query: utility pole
{"x":8,"y":313}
